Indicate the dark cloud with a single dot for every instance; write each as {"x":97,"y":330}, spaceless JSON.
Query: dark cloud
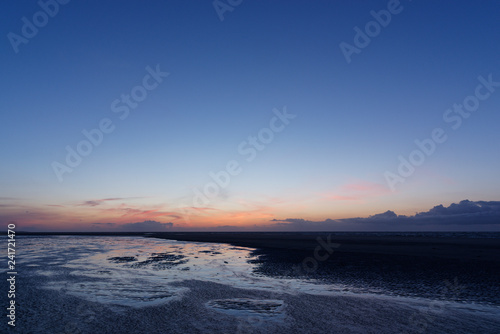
{"x":90,"y":203}
{"x":468,"y":214}
{"x":99,"y":225}
{"x":386,"y":215}
{"x":298,"y":224}
{"x":464,"y":213}
{"x":101,"y":201}
{"x":230,"y":228}
{"x":146,"y":226}
{"x":465,"y":207}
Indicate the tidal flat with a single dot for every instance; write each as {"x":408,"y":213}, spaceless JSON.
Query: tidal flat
{"x":130,"y":284}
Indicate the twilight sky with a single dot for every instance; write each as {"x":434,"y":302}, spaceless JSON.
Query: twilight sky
{"x":258,"y":115}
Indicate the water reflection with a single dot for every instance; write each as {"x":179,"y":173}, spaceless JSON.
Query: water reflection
{"x":135,"y":271}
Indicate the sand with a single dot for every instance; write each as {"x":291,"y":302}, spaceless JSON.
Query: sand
{"x":379,"y":284}
{"x":456,"y":247}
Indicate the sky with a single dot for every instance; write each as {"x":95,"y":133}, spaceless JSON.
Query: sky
{"x":250,"y":115}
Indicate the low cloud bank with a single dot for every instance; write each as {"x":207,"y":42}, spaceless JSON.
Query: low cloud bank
{"x":484,"y":215}
{"x":146,"y":226}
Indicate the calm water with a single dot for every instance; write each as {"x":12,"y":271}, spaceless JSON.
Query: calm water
{"x":138,"y":272}
{"x":81,"y":284}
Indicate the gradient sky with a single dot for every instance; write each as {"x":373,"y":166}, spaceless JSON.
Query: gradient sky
{"x":227,"y":80}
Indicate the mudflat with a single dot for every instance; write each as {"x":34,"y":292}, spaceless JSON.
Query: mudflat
{"x":409,"y":264}
{"x":453,"y":247}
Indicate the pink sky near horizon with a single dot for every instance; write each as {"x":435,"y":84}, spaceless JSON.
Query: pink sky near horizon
{"x":125,"y":121}
{"x":351,"y":200}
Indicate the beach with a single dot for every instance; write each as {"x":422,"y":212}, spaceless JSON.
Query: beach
{"x":257,"y":283}
{"x":413,"y":264}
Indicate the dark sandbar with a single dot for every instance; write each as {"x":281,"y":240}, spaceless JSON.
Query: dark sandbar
{"x":462,"y":267}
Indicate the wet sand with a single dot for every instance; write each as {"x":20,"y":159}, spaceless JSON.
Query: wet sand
{"x":405,"y":285}
{"x":421,"y":265}
{"x":455,"y":246}
{"x":45,"y":311}
{"x":464,"y":248}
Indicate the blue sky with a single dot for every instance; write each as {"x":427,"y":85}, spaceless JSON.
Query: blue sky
{"x":353,"y":120}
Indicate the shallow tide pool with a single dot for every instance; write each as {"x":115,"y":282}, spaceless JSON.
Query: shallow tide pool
{"x":138,"y":272}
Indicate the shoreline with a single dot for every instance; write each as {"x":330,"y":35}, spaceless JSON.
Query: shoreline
{"x":463,"y":248}
{"x":452,"y":295}
{"x":460,"y":268}
{"x":423,"y":244}
{"x":406,"y":264}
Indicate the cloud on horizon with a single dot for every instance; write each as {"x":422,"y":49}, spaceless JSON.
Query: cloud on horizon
{"x":99,"y":201}
{"x":465,"y":213}
{"x":146,"y":226}
{"x":463,"y":216}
